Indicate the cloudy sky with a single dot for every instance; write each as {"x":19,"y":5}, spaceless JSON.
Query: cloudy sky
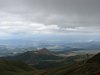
{"x":60,"y":17}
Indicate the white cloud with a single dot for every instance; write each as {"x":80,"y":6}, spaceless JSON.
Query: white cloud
{"x":21,"y":27}
{"x":50,"y":16}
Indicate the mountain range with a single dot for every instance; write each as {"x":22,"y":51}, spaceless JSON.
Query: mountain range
{"x":45,"y":62}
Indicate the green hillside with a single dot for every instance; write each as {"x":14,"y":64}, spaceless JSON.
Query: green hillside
{"x":14,"y":68}
{"x":95,"y":59}
{"x":74,"y":65}
{"x":91,"y":67}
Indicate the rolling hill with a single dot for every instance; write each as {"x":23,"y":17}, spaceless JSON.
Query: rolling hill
{"x":32,"y":57}
{"x":91,"y":67}
{"x":47,"y":63}
{"x":15,"y":68}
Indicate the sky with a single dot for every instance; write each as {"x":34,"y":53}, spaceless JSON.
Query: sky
{"x":63,"y":18}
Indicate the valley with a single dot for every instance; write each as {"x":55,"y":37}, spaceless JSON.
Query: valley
{"x":46,"y":62}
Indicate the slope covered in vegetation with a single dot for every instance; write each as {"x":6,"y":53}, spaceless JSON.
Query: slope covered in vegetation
{"x":14,"y":68}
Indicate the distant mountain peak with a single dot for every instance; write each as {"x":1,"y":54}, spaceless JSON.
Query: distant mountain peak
{"x":43,"y":51}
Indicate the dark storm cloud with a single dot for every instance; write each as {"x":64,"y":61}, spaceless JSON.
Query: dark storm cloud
{"x":63,"y":15}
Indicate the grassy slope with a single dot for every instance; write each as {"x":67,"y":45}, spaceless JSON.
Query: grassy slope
{"x":91,"y":67}
{"x":14,"y":68}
